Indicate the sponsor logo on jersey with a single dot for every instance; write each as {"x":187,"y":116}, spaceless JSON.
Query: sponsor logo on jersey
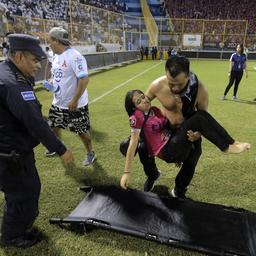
{"x":64,"y":64}
{"x":58,"y":74}
{"x":28,"y":95}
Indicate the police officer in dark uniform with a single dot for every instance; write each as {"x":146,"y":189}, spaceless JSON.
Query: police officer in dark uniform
{"x":22,"y":127}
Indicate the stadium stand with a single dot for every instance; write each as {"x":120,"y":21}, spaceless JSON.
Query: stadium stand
{"x":56,"y":10}
{"x":133,"y":7}
{"x":213,"y":10}
{"x":110,"y":5}
{"x":112,"y":22}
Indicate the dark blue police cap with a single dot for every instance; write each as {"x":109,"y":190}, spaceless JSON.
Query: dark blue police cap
{"x":24,"y":42}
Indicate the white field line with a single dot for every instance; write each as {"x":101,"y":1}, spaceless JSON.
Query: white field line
{"x":123,"y":84}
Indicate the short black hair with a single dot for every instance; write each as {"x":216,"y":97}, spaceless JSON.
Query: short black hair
{"x":176,"y":65}
{"x":129,"y":105}
{"x":242,"y":48}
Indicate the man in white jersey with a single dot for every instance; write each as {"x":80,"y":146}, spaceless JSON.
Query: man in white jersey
{"x":69,"y":83}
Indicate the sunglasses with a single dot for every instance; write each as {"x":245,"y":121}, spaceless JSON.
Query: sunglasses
{"x":140,"y":98}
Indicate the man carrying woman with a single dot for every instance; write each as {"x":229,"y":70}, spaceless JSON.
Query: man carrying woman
{"x":172,"y":146}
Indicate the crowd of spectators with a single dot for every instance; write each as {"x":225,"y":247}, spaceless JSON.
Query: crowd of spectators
{"x":183,"y":9}
{"x":57,"y":9}
{"x":110,"y":5}
{"x":49,"y":9}
{"x":214,"y":10}
{"x":91,"y":23}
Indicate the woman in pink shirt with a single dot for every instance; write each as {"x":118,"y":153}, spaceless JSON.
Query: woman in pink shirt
{"x":172,"y":146}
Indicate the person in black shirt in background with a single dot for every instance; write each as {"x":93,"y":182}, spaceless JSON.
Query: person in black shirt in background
{"x":237,"y":67}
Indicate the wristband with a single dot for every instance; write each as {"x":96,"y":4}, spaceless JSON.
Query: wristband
{"x":50,"y":87}
{"x":126,"y":172}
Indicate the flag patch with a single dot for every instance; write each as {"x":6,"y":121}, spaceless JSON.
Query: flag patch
{"x":28,"y":95}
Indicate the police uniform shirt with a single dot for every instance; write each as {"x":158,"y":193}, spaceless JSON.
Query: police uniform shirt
{"x":67,"y":69}
{"x":22,"y":126}
{"x":239,"y":61}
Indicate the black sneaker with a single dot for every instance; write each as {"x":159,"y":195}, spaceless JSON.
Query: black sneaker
{"x":49,"y":153}
{"x":174,"y":193}
{"x":149,"y":183}
{"x":27,"y":240}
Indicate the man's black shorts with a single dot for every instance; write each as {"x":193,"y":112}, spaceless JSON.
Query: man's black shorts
{"x":77,"y":121}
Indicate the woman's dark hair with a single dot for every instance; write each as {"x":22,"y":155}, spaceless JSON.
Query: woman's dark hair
{"x":129,"y":105}
{"x":242,"y":48}
{"x":177,"y":64}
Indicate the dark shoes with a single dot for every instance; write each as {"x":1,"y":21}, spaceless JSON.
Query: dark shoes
{"x":27,"y":240}
{"x":149,"y":184}
{"x":49,"y":153}
{"x":178,"y":194}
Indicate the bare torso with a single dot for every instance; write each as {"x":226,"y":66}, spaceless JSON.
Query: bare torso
{"x":171,"y":103}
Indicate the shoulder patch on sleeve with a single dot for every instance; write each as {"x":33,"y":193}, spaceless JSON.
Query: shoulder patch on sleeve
{"x":132,"y":122}
{"x":28,"y":95}
{"x":79,"y":62}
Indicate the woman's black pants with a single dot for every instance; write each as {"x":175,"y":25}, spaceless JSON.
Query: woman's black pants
{"x":236,"y":77}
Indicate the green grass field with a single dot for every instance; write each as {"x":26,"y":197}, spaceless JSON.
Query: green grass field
{"x":219,"y":178}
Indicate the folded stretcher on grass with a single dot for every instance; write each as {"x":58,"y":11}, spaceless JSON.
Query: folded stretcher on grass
{"x":210,"y":228}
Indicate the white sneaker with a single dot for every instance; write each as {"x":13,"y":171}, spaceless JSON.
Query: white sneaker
{"x":223,"y":97}
{"x":234,"y":98}
{"x":90,"y":158}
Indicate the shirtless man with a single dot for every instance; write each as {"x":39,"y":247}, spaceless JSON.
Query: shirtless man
{"x":179,"y":91}
{"x":181,"y":94}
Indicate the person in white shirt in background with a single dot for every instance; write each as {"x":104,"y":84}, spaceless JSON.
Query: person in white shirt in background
{"x":69,"y":83}
{"x":48,"y":66}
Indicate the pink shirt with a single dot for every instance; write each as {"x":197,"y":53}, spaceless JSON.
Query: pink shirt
{"x":153,"y":130}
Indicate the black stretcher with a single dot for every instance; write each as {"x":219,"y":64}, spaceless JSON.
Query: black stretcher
{"x":210,"y":228}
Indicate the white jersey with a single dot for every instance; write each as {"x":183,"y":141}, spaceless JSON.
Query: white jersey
{"x":67,"y":69}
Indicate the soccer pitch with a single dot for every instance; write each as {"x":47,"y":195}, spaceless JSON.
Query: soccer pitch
{"x":219,"y":178}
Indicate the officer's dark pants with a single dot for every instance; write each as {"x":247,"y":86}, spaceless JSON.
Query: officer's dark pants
{"x":236,"y":77}
{"x":21,"y":186}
